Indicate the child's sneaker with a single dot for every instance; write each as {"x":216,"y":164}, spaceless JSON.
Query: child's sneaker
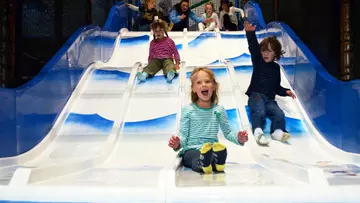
{"x":261,"y":139}
{"x":206,"y":157}
{"x":281,"y":136}
{"x":220,"y":154}
{"x":170,"y":76}
{"x":142,"y":76}
{"x":286,"y":137}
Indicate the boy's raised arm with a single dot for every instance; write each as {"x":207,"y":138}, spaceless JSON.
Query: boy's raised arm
{"x":254,"y":47}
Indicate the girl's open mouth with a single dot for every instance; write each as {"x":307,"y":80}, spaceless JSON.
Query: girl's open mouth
{"x":205,"y":92}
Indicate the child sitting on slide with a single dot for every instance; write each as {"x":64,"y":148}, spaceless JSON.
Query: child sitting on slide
{"x":264,"y":85}
{"x":199,"y":127}
{"x":162,"y":48}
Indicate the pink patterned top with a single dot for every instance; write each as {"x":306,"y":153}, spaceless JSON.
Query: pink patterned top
{"x":163,"y":49}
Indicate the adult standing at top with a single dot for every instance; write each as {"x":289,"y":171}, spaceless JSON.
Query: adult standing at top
{"x":180,"y":14}
{"x":166,"y":6}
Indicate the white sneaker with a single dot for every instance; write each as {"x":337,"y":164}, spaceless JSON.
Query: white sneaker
{"x":280,"y":136}
{"x":286,"y":137}
{"x":261,"y":139}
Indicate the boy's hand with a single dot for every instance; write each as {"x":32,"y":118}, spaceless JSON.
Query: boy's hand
{"x":243,"y":137}
{"x":291,"y":94}
{"x":249,"y":27}
{"x":174,"y":142}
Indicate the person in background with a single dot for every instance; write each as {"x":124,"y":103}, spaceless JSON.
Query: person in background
{"x":228,"y":18}
{"x":165,"y":6}
{"x":147,"y":14}
{"x":180,"y":14}
{"x":209,"y":13}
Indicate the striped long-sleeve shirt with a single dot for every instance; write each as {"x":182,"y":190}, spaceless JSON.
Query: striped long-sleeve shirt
{"x":163,"y":49}
{"x":266,"y":76}
{"x":199,"y":126}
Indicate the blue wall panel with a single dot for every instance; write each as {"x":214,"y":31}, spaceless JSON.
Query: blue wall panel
{"x":27,"y":113}
{"x":332,"y":105}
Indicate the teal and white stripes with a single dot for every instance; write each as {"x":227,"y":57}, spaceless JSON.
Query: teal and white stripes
{"x":198,"y":126}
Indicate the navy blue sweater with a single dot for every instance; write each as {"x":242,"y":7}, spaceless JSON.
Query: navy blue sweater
{"x":265,"y":78}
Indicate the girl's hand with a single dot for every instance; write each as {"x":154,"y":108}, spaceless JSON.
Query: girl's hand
{"x":177,"y":66}
{"x":208,"y":20}
{"x":291,"y":94}
{"x":174,"y":142}
{"x":243,"y":137}
{"x":249,"y":27}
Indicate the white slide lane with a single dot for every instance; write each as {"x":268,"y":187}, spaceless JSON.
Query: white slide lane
{"x":126,"y":146}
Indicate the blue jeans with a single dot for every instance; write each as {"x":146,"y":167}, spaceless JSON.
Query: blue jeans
{"x":261,"y":106}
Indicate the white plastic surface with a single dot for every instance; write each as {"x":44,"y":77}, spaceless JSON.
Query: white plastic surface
{"x":123,"y":151}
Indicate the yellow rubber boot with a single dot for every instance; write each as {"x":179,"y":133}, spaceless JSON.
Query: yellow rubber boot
{"x":220,"y":154}
{"x":206,"y":156}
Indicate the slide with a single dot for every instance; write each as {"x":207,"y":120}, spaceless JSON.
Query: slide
{"x":83,"y":129}
{"x":109,"y":143}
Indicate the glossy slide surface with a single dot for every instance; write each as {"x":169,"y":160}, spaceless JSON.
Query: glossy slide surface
{"x":111,"y":142}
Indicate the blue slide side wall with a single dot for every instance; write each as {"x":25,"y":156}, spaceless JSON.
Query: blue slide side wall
{"x":27,"y":113}
{"x":332,"y":105}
